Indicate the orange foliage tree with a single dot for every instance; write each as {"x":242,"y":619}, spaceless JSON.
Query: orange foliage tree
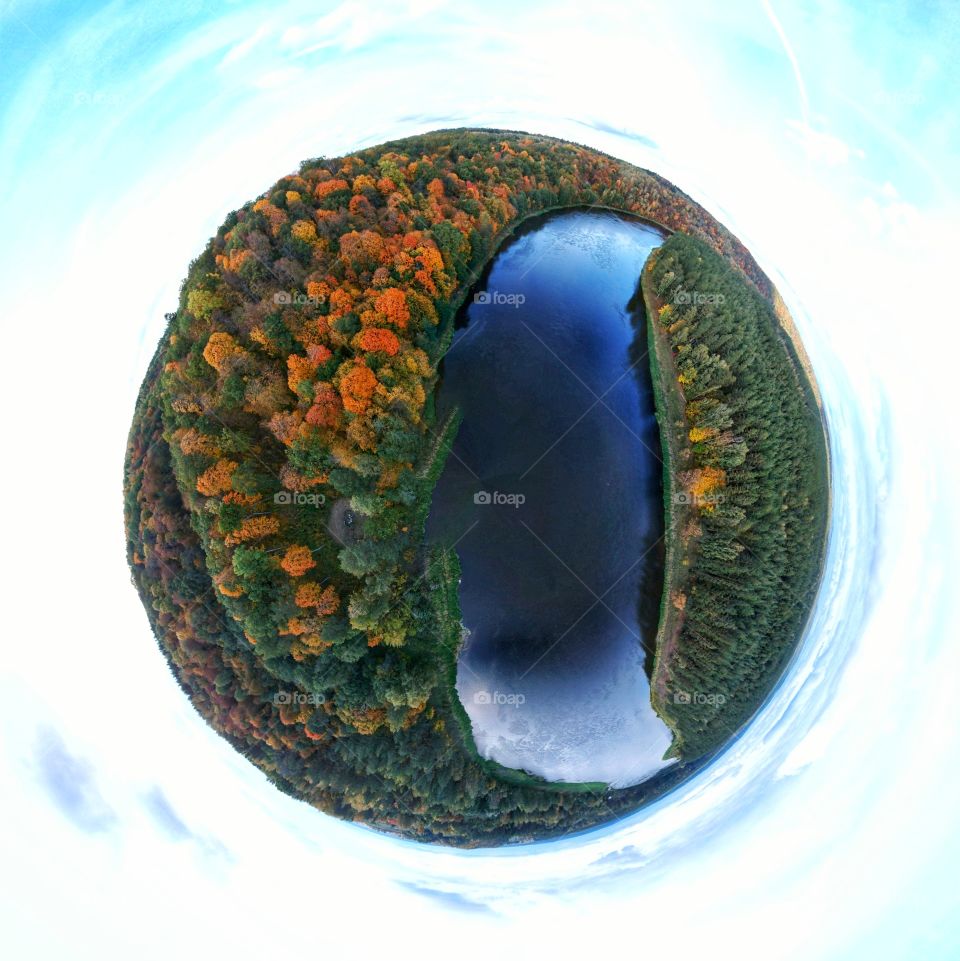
{"x":219,"y":348}
{"x":297,"y":560}
{"x":379,"y":338}
{"x":253,"y":528}
{"x":325,"y":600}
{"x":299,"y":369}
{"x":216,"y":479}
{"x":392,"y":303}
{"x":357,"y":387}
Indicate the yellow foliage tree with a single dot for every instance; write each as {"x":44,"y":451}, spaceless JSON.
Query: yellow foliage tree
{"x":704,"y":482}
{"x":202,"y":303}
{"x":304,"y":230}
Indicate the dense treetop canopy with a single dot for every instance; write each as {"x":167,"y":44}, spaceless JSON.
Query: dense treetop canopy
{"x":283,"y":453}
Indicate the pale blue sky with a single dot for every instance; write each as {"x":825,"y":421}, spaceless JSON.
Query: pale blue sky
{"x":824,"y":133}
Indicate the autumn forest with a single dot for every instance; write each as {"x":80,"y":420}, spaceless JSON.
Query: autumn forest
{"x":285,"y":446}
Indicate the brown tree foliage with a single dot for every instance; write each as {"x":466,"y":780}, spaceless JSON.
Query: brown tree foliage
{"x":327,"y":407}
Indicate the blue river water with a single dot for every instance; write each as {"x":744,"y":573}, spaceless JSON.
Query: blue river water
{"x":552,"y":497}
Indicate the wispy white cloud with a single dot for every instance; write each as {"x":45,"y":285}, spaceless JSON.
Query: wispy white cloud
{"x":71,"y":783}
{"x":822,"y":147}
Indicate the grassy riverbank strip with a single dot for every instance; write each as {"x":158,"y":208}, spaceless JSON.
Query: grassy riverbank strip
{"x":675,"y":450}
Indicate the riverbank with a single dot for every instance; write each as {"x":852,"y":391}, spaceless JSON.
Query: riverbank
{"x":507,"y":232}
{"x":746,"y":491}
{"x":675,"y":452}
